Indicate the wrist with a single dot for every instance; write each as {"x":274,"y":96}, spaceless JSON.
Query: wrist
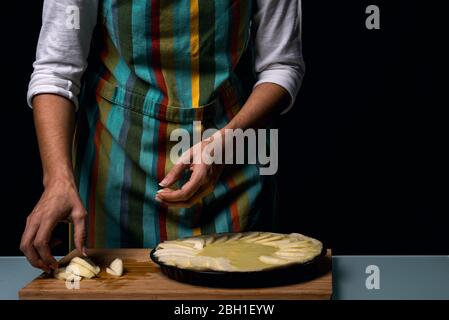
{"x":62,"y":178}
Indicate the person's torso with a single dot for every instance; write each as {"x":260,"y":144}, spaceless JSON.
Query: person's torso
{"x":177,"y":53}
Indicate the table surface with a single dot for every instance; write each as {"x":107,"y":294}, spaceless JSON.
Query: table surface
{"x":144,"y":280}
{"x":15,"y":273}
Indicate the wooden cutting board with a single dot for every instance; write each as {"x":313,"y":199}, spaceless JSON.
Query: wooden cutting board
{"x":144,"y":280}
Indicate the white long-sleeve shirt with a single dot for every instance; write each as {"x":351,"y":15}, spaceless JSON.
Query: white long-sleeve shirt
{"x":61,"y":55}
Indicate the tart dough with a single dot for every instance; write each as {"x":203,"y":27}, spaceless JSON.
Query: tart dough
{"x":238,"y":252}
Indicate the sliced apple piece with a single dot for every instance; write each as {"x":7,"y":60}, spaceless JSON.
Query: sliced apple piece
{"x":86,"y":264}
{"x":299,"y":250}
{"x":61,"y":274}
{"x":260,"y":237}
{"x":277,"y":243}
{"x":271,"y":239}
{"x":294,"y":245}
{"x":175,"y":246}
{"x":273,"y":260}
{"x":74,"y":278}
{"x":182,"y":262}
{"x":116,"y":267}
{"x":201,"y":262}
{"x":249,"y":235}
{"x":175,"y":252}
{"x":79,"y":270}
{"x":290,"y":254}
{"x":234,"y":237}
{"x":198,"y":243}
{"x":221,"y":239}
{"x":169,"y":261}
{"x":208,"y":240}
{"x":297,"y":235}
{"x":112,"y":272}
{"x":223,"y":264}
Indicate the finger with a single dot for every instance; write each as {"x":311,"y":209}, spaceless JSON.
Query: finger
{"x":26,"y":245}
{"x":55,"y":242}
{"x":197,"y":197}
{"x":78,"y":218}
{"x":203,"y":192}
{"x":42,"y":243}
{"x":188,"y":189}
{"x":33,"y":258}
{"x":174,"y":174}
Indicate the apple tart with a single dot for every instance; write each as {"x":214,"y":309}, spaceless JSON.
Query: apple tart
{"x":238,"y":252}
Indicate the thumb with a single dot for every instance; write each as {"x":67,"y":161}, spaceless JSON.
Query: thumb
{"x":79,"y":219}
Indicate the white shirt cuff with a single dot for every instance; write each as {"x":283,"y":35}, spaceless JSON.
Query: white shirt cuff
{"x":288,"y":78}
{"x":46,"y":83}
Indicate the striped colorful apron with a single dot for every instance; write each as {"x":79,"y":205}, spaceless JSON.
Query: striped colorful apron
{"x":156,"y":66}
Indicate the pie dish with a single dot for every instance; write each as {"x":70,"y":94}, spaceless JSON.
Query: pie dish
{"x":238,"y":252}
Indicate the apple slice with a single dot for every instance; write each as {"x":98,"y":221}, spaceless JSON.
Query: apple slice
{"x":201,"y":262}
{"x":169,"y":261}
{"x":176,"y":252}
{"x":234,"y":237}
{"x":117,"y":267}
{"x":208,"y":240}
{"x":79,"y":270}
{"x":298,"y":236}
{"x":295,"y":245}
{"x":198,"y":243}
{"x":273,"y":260}
{"x":277,"y":243}
{"x":86,"y":264}
{"x":111,"y":272}
{"x":182,"y":262}
{"x":260,"y":237}
{"x":282,"y":253}
{"x":180,"y":242}
{"x":175,"y":246}
{"x":61,"y":274}
{"x":221,"y":239}
{"x":250,"y":235}
{"x":222,"y":264}
{"x":271,"y":239}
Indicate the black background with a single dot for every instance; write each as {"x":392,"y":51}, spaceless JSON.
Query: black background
{"x":363,"y":155}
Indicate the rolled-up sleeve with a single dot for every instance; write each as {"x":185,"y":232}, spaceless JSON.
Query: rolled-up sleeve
{"x":63,"y":48}
{"x":276,"y":29}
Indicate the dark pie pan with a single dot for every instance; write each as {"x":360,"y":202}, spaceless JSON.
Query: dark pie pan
{"x":283,"y":275}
